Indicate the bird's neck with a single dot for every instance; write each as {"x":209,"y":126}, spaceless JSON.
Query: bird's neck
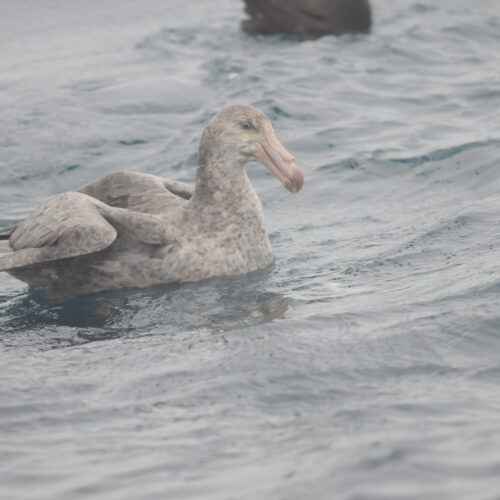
{"x":221,"y":181}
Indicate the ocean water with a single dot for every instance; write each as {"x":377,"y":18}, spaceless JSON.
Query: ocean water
{"x":365,"y":363}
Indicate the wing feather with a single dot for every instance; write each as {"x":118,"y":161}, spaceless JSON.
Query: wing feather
{"x":65,"y":225}
{"x":137,"y":191}
{"x":83,"y":222}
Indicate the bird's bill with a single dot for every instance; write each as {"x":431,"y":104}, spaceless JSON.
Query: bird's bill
{"x":280,"y":162}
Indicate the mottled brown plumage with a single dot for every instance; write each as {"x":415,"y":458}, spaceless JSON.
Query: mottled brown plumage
{"x":135,"y":230}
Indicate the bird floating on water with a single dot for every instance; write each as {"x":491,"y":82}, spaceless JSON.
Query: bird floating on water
{"x":131,"y":229}
{"x":307,"y":18}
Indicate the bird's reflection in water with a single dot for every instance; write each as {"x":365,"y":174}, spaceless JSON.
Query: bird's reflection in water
{"x":218,"y":305}
{"x":253,"y":313}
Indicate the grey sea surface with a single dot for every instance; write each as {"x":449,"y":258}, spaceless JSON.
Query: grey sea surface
{"x":365,"y":364}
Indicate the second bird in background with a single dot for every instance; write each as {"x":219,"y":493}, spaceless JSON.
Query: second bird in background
{"x":307,"y":18}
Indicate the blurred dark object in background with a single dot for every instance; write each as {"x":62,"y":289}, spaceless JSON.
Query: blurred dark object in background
{"x":307,"y":18}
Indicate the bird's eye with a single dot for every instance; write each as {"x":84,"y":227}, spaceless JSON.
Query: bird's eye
{"x":247,"y":126}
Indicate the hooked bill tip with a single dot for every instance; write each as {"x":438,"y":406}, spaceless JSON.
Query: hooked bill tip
{"x":296,"y":181}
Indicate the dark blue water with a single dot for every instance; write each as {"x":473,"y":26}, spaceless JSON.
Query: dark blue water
{"x":365,"y":364}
